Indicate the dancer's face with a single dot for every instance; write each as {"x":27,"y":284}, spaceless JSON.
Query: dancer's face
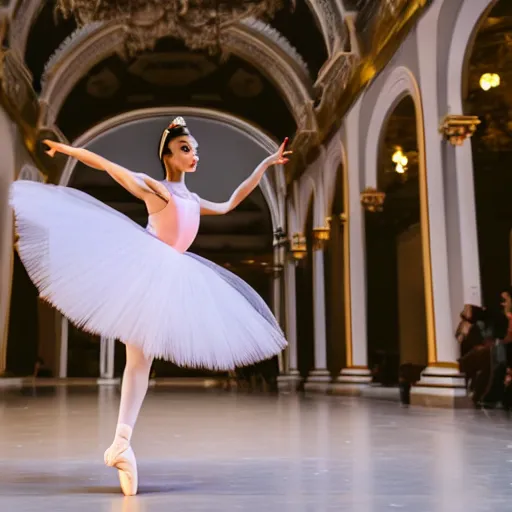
{"x":183,"y":157}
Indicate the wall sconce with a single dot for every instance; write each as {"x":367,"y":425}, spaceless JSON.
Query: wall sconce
{"x":400,"y":160}
{"x":489,"y":81}
{"x":372,"y":199}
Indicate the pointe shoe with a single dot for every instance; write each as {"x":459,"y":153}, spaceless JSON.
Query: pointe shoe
{"x":126,"y":466}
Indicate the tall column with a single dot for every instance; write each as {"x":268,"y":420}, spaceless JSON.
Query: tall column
{"x":107,"y":352}
{"x":7,"y":170}
{"x":62,"y":329}
{"x":319,"y":378}
{"x":356,"y":372}
{"x":442,"y":367}
{"x":465,"y":282}
{"x":6,"y":262}
{"x":290,"y":380}
{"x":277,"y":272}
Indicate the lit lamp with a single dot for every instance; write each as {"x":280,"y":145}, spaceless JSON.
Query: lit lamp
{"x":489,"y":81}
{"x":400,"y":160}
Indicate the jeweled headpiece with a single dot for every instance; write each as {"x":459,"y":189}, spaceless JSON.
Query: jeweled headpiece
{"x":177,"y":125}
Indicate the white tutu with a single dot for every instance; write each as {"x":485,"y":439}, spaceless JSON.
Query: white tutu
{"x":111,"y":277}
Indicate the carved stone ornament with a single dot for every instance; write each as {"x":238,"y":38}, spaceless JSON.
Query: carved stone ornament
{"x":17,"y":87}
{"x":298,"y":247}
{"x":332,"y":81}
{"x":197,"y":23}
{"x":457,"y":128}
{"x":372,"y":199}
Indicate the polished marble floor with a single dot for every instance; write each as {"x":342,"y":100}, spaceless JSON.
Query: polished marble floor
{"x":217,"y":451}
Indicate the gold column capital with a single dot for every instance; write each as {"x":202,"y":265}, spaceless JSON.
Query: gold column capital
{"x":372,"y":199}
{"x":298,"y":246}
{"x":457,"y":128}
{"x":320,"y":236}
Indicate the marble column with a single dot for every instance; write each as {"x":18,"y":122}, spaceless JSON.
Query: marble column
{"x":7,"y":169}
{"x":277,"y":293}
{"x":442,"y":371}
{"x":62,"y":328}
{"x":291,"y":377}
{"x":319,"y":378}
{"x":107,"y":352}
{"x":356,"y":372}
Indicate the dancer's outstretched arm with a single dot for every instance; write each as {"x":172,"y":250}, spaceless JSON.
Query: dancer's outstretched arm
{"x":247,"y":186}
{"x":138,"y":184}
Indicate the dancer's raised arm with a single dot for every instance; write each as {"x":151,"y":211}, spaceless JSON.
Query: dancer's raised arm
{"x":247,"y":186}
{"x":138,"y":184}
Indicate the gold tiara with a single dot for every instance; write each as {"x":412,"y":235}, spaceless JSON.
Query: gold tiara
{"x":177,"y":121}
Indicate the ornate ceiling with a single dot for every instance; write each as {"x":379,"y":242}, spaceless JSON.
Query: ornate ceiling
{"x":292,"y":74}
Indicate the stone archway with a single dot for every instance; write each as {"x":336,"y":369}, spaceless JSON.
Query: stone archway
{"x":401,"y":83}
{"x":142,"y":128}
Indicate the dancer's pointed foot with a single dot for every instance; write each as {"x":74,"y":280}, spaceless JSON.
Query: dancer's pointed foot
{"x":120,"y":456}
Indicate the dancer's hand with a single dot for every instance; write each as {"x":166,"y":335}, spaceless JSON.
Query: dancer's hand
{"x":55,"y":147}
{"x":279,"y":158}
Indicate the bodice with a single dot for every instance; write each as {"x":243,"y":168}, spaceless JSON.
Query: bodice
{"x":178,"y":223}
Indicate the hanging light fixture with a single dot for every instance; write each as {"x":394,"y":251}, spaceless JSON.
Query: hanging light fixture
{"x":489,"y":81}
{"x":198,"y":23}
{"x":400,"y":161}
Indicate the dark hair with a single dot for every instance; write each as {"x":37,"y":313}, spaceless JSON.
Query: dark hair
{"x":170,"y":134}
{"x":177,"y":128}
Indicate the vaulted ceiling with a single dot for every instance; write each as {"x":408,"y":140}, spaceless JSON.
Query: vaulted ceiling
{"x":286,"y":75}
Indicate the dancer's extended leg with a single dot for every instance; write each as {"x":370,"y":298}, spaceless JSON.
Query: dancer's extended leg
{"x":133,"y":391}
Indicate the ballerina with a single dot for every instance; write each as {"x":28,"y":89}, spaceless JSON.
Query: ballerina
{"x":141,"y":286}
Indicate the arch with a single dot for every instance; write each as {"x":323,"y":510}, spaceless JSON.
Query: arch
{"x":336,"y":156}
{"x":400,"y":83}
{"x":329,"y":17}
{"x":307,"y":192}
{"x":250,"y":40}
{"x":466,"y":27}
{"x":30,"y":173}
{"x":247,"y":129}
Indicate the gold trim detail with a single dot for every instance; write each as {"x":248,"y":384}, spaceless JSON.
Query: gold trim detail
{"x":298,"y":246}
{"x":457,"y":128}
{"x":372,"y":199}
{"x":321,"y":236}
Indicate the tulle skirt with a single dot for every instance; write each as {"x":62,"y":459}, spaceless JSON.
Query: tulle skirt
{"x":110,"y":277}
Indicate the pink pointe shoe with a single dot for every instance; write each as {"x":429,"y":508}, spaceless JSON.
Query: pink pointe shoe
{"x":120,"y":456}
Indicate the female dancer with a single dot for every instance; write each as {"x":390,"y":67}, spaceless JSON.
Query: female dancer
{"x":141,"y":286}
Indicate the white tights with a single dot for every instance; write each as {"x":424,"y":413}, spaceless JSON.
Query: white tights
{"x":134,"y":386}
{"x":133,"y":391}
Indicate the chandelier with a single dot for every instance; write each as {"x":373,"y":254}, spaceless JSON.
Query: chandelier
{"x":198,"y":23}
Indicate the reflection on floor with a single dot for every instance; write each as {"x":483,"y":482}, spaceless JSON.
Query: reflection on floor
{"x":213,"y":451}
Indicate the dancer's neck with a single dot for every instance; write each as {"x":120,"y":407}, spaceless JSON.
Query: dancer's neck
{"x":175,"y":176}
